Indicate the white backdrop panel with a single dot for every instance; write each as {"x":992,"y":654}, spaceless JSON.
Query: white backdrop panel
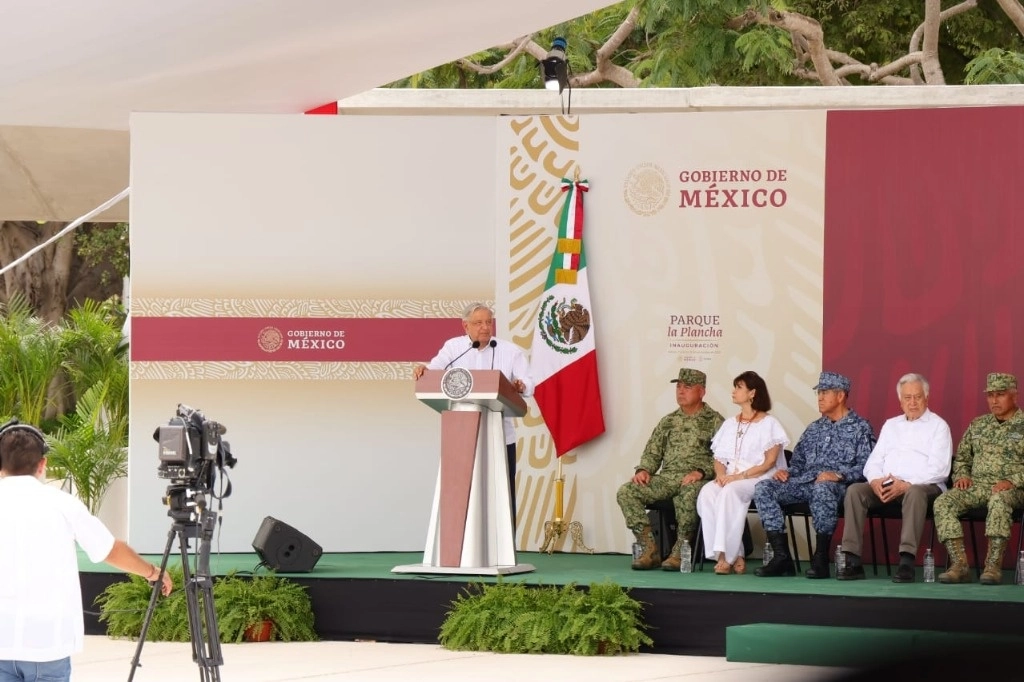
{"x":307,"y":207}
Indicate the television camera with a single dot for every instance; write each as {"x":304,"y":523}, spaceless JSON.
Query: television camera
{"x":192,"y":451}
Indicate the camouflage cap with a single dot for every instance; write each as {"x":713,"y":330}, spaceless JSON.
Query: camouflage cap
{"x":692,"y":377}
{"x":832,"y":381}
{"x":999,"y":381}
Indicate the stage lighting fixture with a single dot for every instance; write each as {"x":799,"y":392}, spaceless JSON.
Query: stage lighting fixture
{"x":554,"y":67}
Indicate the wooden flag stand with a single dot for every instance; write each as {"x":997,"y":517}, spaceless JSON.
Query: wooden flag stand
{"x":557,"y":528}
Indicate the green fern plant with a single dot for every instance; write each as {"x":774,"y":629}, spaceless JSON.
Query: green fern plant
{"x":514,"y":618}
{"x":242,"y":603}
{"x":239,"y":603}
{"x":123,"y":608}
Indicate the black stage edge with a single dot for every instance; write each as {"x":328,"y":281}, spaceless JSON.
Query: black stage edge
{"x":690,"y":622}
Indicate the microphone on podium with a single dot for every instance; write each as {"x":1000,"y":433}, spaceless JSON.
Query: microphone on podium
{"x":475,"y":344}
{"x":492,"y":344}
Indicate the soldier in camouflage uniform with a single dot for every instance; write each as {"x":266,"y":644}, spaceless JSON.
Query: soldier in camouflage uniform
{"x":988,"y":471}
{"x":829,"y":456}
{"x":675,"y":465}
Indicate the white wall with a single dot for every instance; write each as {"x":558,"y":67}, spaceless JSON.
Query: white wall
{"x":244,"y":212}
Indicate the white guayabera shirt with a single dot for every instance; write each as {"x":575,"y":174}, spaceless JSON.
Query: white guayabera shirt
{"x":40,"y":594}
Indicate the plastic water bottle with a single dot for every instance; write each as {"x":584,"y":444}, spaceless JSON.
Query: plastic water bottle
{"x":840,"y":559}
{"x":929,"y":566}
{"x":685,"y":559}
{"x":768,"y":554}
{"x":1019,"y":578}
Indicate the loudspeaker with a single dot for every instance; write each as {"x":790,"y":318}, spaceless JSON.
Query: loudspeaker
{"x":285,"y":549}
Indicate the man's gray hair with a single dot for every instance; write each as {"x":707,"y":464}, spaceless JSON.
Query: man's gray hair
{"x":473,"y":307}
{"x":911,"y":378}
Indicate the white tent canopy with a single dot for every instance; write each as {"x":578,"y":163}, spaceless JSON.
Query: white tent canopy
{"x":84,"y":67}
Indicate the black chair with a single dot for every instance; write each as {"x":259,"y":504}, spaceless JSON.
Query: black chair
{"x":888,"y":512}
{"x":977,"y":515}
{"x":789,"y":512}
{"x":800,"y":510}
{"x":662,"y":517}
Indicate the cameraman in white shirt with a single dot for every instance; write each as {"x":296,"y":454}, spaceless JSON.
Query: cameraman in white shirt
{"x":41,"y":621}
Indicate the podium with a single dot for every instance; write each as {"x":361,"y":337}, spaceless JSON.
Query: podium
{"x":471,"y":526}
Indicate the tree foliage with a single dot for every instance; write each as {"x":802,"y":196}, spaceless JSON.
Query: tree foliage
{"x":86,"y":264}
{"x":686,"y":43}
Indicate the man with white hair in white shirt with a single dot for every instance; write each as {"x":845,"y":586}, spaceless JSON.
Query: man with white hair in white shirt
{"x":910,"y":464}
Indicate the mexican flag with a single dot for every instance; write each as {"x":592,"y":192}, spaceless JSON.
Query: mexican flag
{"x":563,"y":357}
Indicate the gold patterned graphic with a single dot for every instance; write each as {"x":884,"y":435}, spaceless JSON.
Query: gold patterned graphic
{"x":646,"y":189}
{"x":543,"y":150}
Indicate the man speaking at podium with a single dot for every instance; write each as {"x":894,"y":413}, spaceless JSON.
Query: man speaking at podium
{"x":478,"y":349}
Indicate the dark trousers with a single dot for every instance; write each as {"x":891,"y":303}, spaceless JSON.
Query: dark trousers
{"x":510,"y":451}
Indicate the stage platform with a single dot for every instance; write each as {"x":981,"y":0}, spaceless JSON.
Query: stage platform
{"x":356,"y":597}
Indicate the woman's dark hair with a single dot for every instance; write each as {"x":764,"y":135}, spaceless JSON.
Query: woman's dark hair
{"x":762,"y":402}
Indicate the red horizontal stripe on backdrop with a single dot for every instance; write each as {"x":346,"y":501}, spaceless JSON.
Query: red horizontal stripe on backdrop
{"x":289,"y":339}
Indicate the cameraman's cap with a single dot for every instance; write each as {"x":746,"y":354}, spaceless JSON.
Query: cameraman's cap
{"x":998,"y":381}
{"x":832,"y":381}
{"x":693,"y":377}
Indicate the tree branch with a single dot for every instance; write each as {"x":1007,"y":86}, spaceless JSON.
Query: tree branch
{"x":930,"y":44}
{"x":915,"y":39}
{"x":516,"y":47}
{"x":892,"y":68}
{"x":1014,"y":12}
{"x":803,"y":25}
{"x":604,"y":68}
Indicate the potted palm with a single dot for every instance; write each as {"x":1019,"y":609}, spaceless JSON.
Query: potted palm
{"x":89,"y":448}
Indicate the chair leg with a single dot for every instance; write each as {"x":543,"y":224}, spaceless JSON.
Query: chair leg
{"x":792,"y":542}
{"x":698,"y":548}
{"x":974,"y":547}
{"x":810,"y":542}
{"x":1020,"y":537}
{"x":885,"y":547}
{"x":871,"y":539}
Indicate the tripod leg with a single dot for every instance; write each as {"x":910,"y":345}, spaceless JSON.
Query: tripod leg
{"x":152,"y":605}
{"x":215,"y":658}
{"x":202,"y":618}
{"x":195,"y":585}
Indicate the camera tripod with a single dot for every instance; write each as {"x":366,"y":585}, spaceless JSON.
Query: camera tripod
{"x":198,"y":586}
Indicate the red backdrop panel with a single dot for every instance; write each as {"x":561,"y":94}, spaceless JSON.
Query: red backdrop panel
{"x":923,"y":246}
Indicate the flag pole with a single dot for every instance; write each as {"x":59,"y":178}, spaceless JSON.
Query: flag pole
{"x":562,"y":327}
{"x":555,"y":529}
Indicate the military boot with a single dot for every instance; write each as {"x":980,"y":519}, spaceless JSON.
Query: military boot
{"x":819,"y":561}
{"x":959,"y":571}
{"x":781,"y":563}
{"x":993,"y":573}
{"x":673,"y":560}
{"x":651,"y":555}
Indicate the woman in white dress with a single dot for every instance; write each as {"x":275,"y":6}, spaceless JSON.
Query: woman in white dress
{"x":747,"y":449}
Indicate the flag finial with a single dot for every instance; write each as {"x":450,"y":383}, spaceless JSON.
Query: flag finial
{"x":576,"y":174}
